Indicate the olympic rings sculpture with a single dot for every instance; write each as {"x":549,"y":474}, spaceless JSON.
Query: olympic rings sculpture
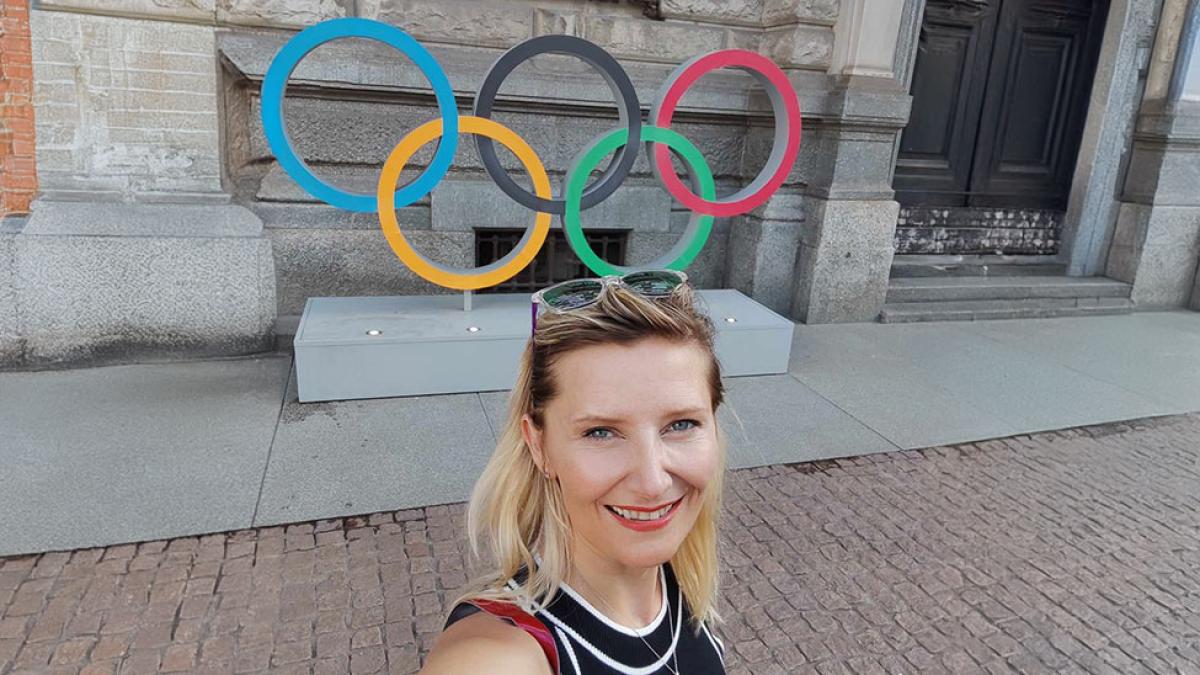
{"x":577,"y":195}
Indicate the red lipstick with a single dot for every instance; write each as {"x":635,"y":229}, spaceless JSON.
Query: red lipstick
{"x":646,"y":525}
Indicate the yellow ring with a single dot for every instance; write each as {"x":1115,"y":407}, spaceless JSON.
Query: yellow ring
{"x":489,"y":275}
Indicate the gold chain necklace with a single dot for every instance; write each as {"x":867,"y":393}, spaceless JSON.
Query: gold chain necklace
{"x":670,"y":623}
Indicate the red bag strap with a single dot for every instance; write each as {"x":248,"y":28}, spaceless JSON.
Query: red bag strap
{"x":526,"y":622}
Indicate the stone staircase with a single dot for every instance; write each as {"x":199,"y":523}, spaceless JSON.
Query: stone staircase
{"x":972,"y":291}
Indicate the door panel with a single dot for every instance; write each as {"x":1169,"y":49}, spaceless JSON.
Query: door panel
{"x":949,"y":81}
{"x":1036,"y":102}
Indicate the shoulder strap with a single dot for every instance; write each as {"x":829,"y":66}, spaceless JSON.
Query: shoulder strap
{"x":526,"y":622}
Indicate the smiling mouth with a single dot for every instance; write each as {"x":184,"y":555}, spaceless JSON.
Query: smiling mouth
{"x":640,"y":515}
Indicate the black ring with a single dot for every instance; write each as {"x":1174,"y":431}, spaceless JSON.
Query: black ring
{"x":629,"y":109}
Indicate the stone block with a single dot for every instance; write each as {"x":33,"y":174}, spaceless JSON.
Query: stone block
{"x":92,"y":298}
{"x":845,"y":262}
{"x":1166,"y":268}
{"x":333,"y":263}
{"x":744,"y":12}
{"x":761,"y":260}
{"x":110,"y":128}
{"x":636,"y":38}
{"x":799,"y":46}
{"x":468,"y":204}
{"x":781,"y":12}
{"x":143,"y":220}
{"x":552,"y":22}
{"x":187,"y":10}
{"x":496,"y":23}
{"x":281,"y":13}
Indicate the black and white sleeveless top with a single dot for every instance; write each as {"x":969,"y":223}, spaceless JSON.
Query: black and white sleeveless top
{"x":589,"y":643}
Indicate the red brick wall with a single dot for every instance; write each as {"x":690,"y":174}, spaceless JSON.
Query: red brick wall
{"x":18,"y":170}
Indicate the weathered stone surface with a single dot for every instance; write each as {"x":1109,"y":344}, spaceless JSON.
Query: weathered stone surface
{"x":845,"y":255}
{"x":639,"y":39}
{"x":779,"y":12}
{"x":1167,"y":259}
{"x":560,"y":80}
{"x":282,"y":13}
{"x":322,"y":217}
{"x":799,"y":46}
{"x":10,"y":330}
{"x":748,"y":12}
{"x":706,"y":271}
{"x":551,"y":22}
{"x":1195,"y":303}
{"x":89,"y":298}
{"x":141,"y":220}
{"x":1129,"y":234}
{"x":468,"y":204}
{"x":124,"y":108}
{"x":191,"y":10}
{"x":938,"y":230}
{"x":1163,"y":174}
{"x":329,"y":263}
{"x":496,"y":23}
{"x":762,"y":261}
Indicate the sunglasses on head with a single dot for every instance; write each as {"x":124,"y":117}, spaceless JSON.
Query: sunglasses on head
{"x":579,"y":293}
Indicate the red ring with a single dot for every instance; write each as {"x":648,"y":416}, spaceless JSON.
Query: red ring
{"x":737,"y":58}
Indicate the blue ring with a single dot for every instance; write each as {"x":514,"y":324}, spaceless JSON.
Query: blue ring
{"x":280,"y":71}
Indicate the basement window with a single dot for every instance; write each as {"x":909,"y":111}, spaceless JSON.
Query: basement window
{"x":554,"y":263}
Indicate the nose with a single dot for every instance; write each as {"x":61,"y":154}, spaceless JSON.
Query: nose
{"x":650,"y":477}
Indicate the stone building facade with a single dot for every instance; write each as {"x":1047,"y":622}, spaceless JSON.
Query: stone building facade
{"x":164,"y":227}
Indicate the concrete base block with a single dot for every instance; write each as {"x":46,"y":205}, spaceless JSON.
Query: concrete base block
{"x":375,"y":347}
{"x":844,"y":261}
{"x":136,"y":281}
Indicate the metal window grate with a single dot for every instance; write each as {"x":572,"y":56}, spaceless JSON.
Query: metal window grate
{"x":554,"y":263}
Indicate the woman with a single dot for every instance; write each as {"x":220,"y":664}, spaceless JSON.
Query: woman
{"x":599,"y":506}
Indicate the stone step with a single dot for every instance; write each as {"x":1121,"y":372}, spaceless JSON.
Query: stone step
{"x":934,"y":289}
{"x":906,"y":266}
{"x":979,"y":310}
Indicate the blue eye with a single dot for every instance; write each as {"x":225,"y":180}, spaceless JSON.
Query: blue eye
{"x":598,"y":432}
{"x":683,"y":425}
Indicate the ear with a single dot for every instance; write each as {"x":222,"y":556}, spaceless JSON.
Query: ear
{"x":533,"y":438}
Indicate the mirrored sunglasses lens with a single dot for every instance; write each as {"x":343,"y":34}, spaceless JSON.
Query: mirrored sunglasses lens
{"x":652,"y":283}
{"x":572,"y":295}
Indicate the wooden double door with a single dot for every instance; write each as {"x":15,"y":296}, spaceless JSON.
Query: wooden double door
{"x":1000,"y":95}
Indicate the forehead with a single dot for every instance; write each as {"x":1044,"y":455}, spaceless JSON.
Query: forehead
{"x":627,"y":379}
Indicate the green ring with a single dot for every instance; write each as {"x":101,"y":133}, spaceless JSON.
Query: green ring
{"x":590,"y":158}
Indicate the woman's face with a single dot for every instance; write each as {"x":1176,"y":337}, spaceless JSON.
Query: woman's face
{"x":632,"y":440}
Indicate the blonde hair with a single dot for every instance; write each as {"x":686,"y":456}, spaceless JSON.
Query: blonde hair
{"x":516,"y":513}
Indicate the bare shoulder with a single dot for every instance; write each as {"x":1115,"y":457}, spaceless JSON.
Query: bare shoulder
{"x":482,"y":643}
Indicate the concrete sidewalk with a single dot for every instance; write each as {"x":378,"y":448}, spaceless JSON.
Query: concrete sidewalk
{"x":134,"y":453}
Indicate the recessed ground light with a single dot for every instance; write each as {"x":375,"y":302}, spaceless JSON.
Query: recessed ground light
{"x":730,"y":319}
{"x":374,"y":331}
{"x":473,"y":329}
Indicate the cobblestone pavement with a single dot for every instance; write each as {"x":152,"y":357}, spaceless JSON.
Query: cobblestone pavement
{"x":1075,"y":551}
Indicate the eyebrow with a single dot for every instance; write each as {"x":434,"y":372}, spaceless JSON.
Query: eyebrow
{"x":604,"y":419}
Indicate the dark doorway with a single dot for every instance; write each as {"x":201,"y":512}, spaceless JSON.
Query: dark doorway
{"x":1000,"y":95}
